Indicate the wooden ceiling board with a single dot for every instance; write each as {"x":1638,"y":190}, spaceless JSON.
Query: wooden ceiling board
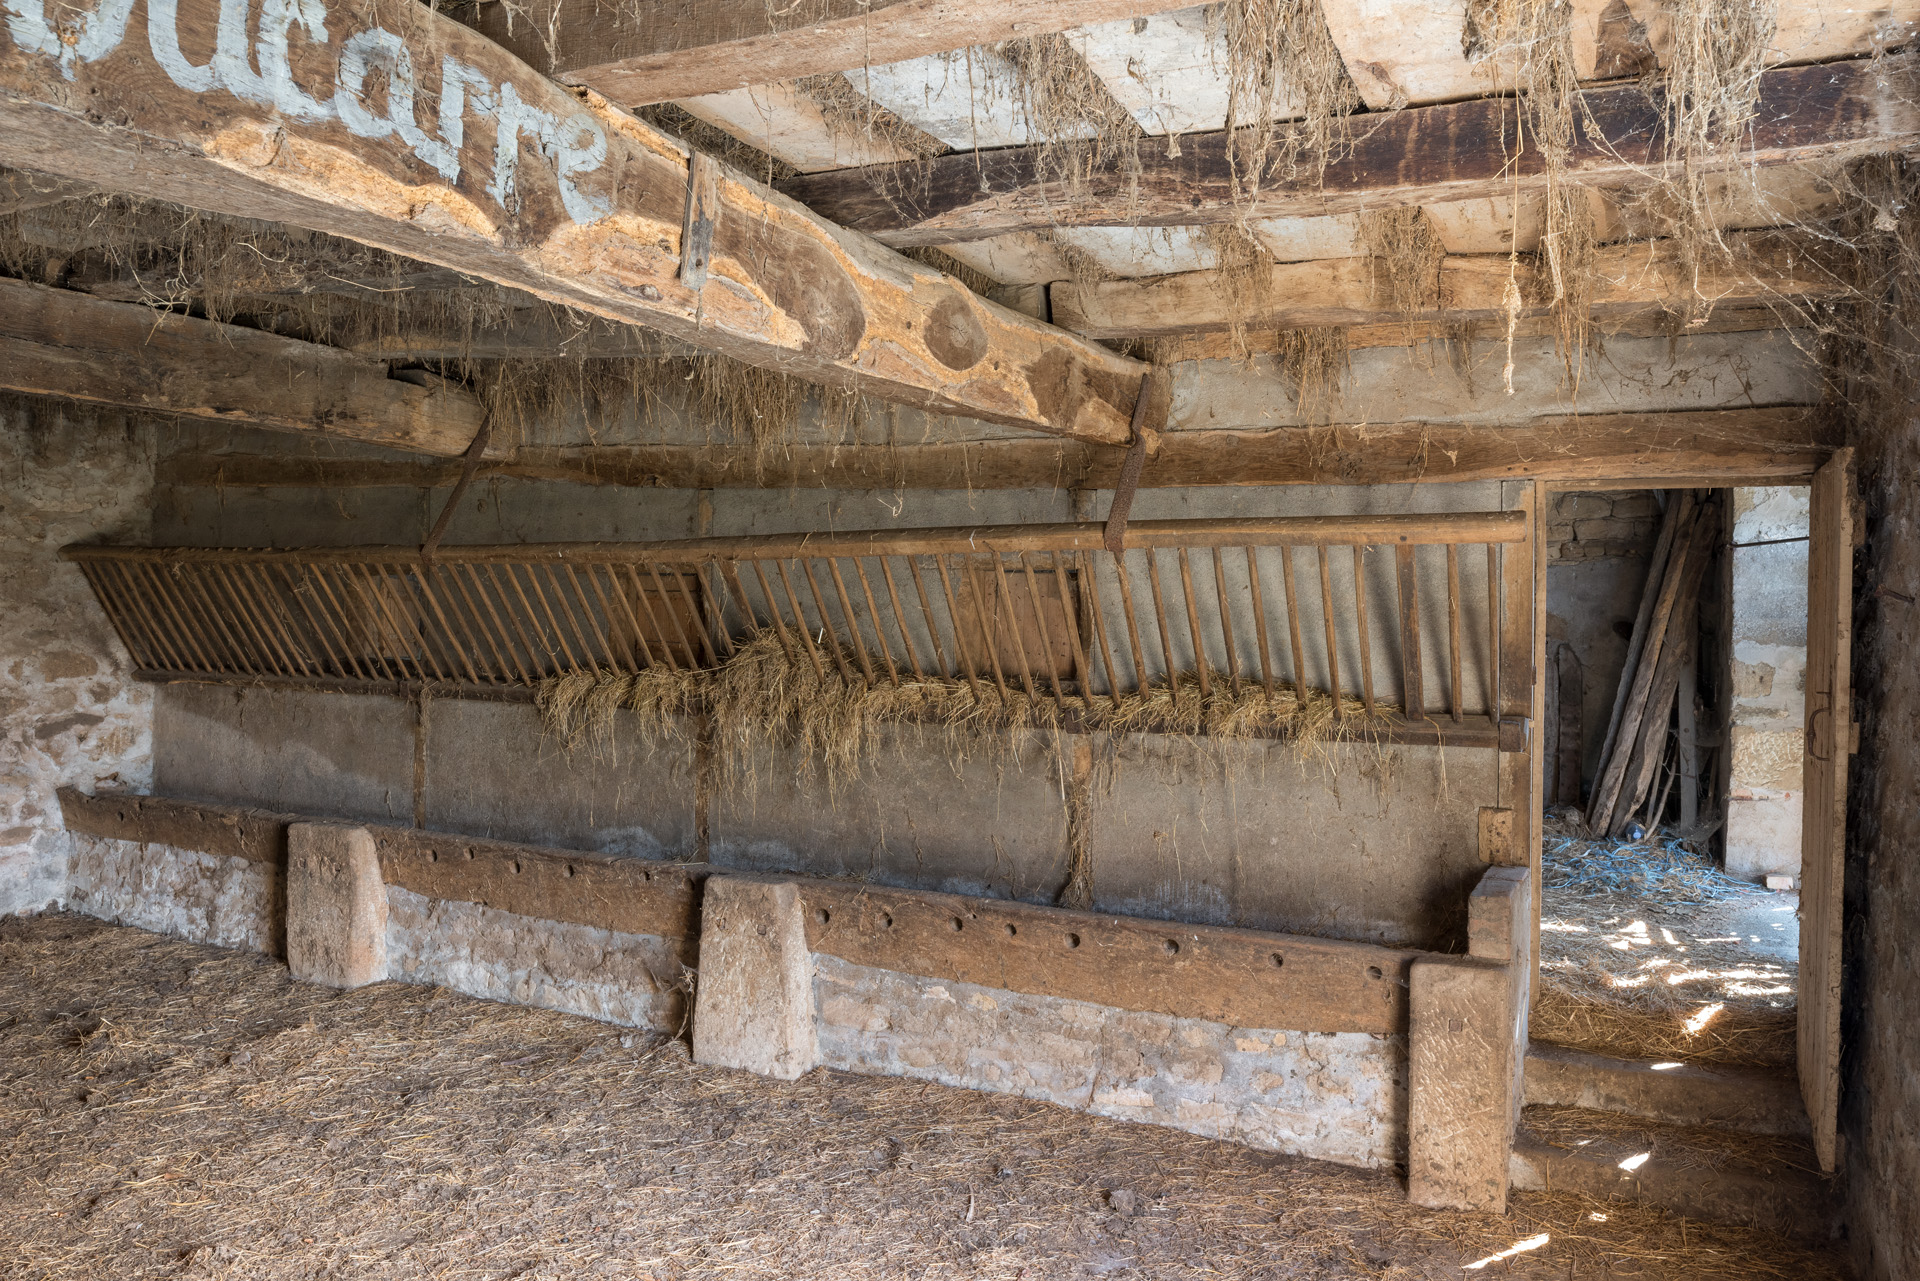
{"x":1304,"y":239}
{"x":964,"y":98}
{"x":1169,"y":70}
{"x":788,"y":125}
{"x":1021,"y":258}
{"x":1134,"y":252}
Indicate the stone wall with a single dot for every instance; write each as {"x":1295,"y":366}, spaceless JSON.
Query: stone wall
{"x":1766,"y":721}
{"x":68,"y":711}
{"x":1880,"y":1118}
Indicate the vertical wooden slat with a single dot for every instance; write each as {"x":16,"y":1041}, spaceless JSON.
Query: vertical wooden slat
{"x":187,"y":583}
{"x":873,"y":613}
{"x":799,"y":620}
{"x":827,"y":633}
{"x":1290,"y":588}
{"x":730,"y":575}
{"x":566,"y":600}
{"x":851,"y":619}
{"x":140,"y":603}
{"x":1493,"y":636}
{"x":506,"y":625}
{"x":1412,"y":675}
{"x":462,"y":653}
{"x":780,"y":625}
{"x":1004,"y":594}
{"x":154,"y":578}
{"x":428,"y":663}
{"x":1517,"y":639}
{"x":336,"y":614}
{"x":993,"y":651}
{"x":252,"y":620}
{"x":551,"y":631}
{"x":1040,"y":619}
{"x":131,"y":622}
{"x":628,"y":662}
{"x":1333,"y":640}
{"x":673,"y":616}
{"x":1366,"y":632}
{"x":1226,"y":621}
{"x":502,"y":668}
{"x":1166,"y":633}
{"x":279,"y":617}
{"x":538,"y":657}
{"x":1097,"y":620}
{"x":1120,"y":577}
{"x":900,"y":620}
{"x":693,"y":612}
{"x":933,"y":628}
{"x":1072,"y":616}
{"x":1193,"y":623}
{"x":1260,"y":623}
{"x":960,"y":648}
{"x":612,"y":664}
{"x":1453,"y":630}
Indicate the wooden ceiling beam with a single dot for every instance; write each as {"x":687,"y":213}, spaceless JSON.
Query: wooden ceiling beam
{"x":1625,"y":280}
{"x":426,"y":139}
{"x":645,"y":54}
{"x":1776,"y":443}
{"x":1416,"y":156}
{"x":54,"y":342}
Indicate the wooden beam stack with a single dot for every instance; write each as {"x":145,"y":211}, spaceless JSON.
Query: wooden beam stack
{"x":1660,"y":653}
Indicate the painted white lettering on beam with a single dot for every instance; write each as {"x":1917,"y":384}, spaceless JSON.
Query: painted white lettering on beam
{"x":259,"y":70}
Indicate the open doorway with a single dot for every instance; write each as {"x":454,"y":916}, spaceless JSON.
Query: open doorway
{"x":1675,"y":661}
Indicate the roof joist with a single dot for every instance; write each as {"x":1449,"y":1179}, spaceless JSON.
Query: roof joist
{"x":639,"y":54}
{"x":1418,"y":156}
{"x":1624,"y":280}
{"x":422,"y":137}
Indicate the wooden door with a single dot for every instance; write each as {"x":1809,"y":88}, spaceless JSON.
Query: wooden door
{"x":1829,"y":740}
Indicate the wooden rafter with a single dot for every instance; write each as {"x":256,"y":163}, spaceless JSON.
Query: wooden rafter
{"x":1421,"y":155}
{"x":1625,"y":280}
{"x":424,"y":138}
{"x":1764,"y":445}
{"x":639,"y":55}
{"x":58,"y":343}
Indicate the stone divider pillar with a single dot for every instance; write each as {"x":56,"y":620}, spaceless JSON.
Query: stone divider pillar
{"x":753,"y":1001}
{"x":336,"y":905}
{"x":1468,"y":1051}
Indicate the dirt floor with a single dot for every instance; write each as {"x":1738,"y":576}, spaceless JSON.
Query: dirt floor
{"x":174,"y":1110}
{"x":1647,"y":950}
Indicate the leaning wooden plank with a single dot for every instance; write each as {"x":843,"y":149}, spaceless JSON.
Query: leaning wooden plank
{"x":1638,"y":451}
{"x":1675,"y":655}
{"x":1679,"y":504}
{"x":1625,"y":280}
{"x":1421,"y":155}
{"x":405,"y":130}
{"x":635,"y":54}
{"x":54,"y":342}
{"x":1607,"y":789}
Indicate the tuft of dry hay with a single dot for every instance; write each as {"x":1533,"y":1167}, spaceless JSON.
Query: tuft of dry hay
{"x":1279,"y":50}
{"x":178,"y":1110}
{"x":1676,"y":1147}
{"x":1081,"y":126}
{"x":1313,"y":363}
{"x":767,"y":692}
{"x":1404,"y":253}
{"x":1581,"y":1012}
{"x":1243,"y":272}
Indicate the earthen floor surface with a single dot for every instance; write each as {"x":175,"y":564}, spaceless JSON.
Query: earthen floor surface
{"x":175,"y":1110}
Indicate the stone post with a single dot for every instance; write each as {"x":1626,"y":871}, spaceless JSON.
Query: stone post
{"x":336,"y":905}
{"x":753,"y":1003}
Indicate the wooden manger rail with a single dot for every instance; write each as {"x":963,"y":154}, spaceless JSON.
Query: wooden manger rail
{"x":1428,"y":641}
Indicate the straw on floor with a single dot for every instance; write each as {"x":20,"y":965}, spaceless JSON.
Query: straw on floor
{"x":175,"y":1110}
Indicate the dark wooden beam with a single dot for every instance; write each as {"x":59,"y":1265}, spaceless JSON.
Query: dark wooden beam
{"x":1624,"y":280}
{"x":482,"y":166}
{"x":1636,"y":450}
{"x":642,"y":54}
{"x":54,"y":342}
{"x":1417,"y":156}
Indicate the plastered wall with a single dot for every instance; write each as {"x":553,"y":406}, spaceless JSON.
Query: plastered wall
{"x":1768,"y":681}
{"x":68,"y":712}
